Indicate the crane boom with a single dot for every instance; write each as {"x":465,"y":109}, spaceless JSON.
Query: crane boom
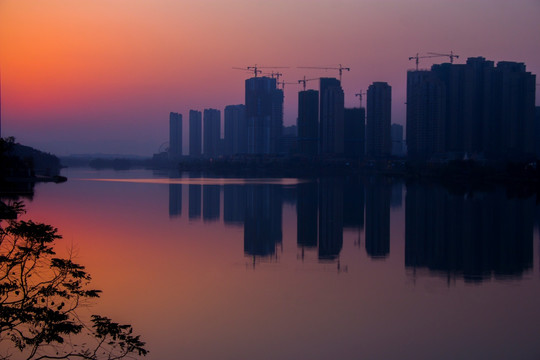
{"x":340,"y":68}
{"x":256,"y":69}
{"x":304,"y":80}
{"x":451,"y":56}
{"x":417,"y":57}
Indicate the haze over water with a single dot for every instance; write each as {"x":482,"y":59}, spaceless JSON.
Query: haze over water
{"x":315,"y":268}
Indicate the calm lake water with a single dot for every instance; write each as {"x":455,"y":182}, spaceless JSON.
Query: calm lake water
{"x":337,"y":268}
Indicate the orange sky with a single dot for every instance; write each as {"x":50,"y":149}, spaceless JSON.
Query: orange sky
{"x":102,"y":75}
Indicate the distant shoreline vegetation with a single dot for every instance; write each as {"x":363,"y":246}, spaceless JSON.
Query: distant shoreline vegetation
{"x":451,"y":171}
{"x":20,"y":163}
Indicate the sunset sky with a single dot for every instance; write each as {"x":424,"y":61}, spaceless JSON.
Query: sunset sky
{"x":87,"y":76}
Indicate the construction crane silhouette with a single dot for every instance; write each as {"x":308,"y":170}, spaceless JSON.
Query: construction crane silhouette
{"x":433,"y":55}
{"x":340,"y":69}
{"x":277,"y":75}
{"x":360,"y":95}
{"x":256,"y":69}
{"x":283,"y":83}
{"x":304,"y":81}
{"x":451,"y":56}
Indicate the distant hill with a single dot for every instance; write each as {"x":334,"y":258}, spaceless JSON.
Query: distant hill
{"x":24,"y":162}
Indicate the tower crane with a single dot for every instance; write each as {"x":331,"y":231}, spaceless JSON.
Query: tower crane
{"x":433,"y":55}
{"x":340,"y":69}
{"x":283,"y":83}
{"x":451,"y":56}
{"x":256,"y":69}
{"x":304,"y":80}
{"x":360,"y":95}
{"x":276,"y":74}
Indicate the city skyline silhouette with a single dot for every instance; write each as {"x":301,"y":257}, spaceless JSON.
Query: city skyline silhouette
{"x":76,"y":81}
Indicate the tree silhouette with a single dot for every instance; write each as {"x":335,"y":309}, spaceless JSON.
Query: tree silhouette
{"x":39,"y":296}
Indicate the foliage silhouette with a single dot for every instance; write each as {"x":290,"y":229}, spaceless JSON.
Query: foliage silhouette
{"x":39,"y":296}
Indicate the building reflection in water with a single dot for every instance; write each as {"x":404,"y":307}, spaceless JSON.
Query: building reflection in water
{"x":306,"y":215}
{"x":194,"y":201}
{"x":263,"y":220}
{"x":378,"y":193}
{"x":211,"y":202}
{"x":330,"y":218}
{"x":234,"y":204}
{"x":476,"y":235}
{"x":175,"y":200}
{"x":353,"y":206}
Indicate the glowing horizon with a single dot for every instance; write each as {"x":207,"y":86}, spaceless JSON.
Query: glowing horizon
{"x":103,"y":76}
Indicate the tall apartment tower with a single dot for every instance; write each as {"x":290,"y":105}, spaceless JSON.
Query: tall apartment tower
{"x":264,"y":115}
{"x":355,"y":132}
{"x":235,"y":130}
{"x":331,"y":117}
{"x":472,"y":109}
{"x":379,"y":109}
{"x":195,"y":133}
{"x":514,"y":109}
{"x":212,"y":132}
{"x":308,"y":122}
{"x":175,"y":135}
{"x":426,"y":111}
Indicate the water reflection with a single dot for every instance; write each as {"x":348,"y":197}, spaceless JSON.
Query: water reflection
{"x":471,"y":235}
{"x":175,"y":200}
{"x":234,"y":204}
{"x":194,"y":201}
{"x":306,"y":215}
{"x":330,"y":218}
{"x":263,"y":223}
{"x":477,"y":235}
{"x":378,"y":195}
{"x":211,"y":202}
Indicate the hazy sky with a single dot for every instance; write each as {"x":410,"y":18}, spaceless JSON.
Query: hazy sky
{"x":103,"y":75}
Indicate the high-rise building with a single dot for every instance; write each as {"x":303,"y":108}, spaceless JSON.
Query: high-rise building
{"x":355,"y":129}
{"x":212,"y":132}
{"x":276,"y":125}
{"x":235,"y":130}
{"x":195,"y":133}
{"x":537,"y":132}
{"x":308,"y":122}
{"x":472,"y":109}
{"x":514,"y":108}
{"x":331,"y":117}
{"x":379,"y":110}
{"x":458,"y":97}
{"x":425,"y":114}
{"x":175,"y":135}
{"x":264,"y":115}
